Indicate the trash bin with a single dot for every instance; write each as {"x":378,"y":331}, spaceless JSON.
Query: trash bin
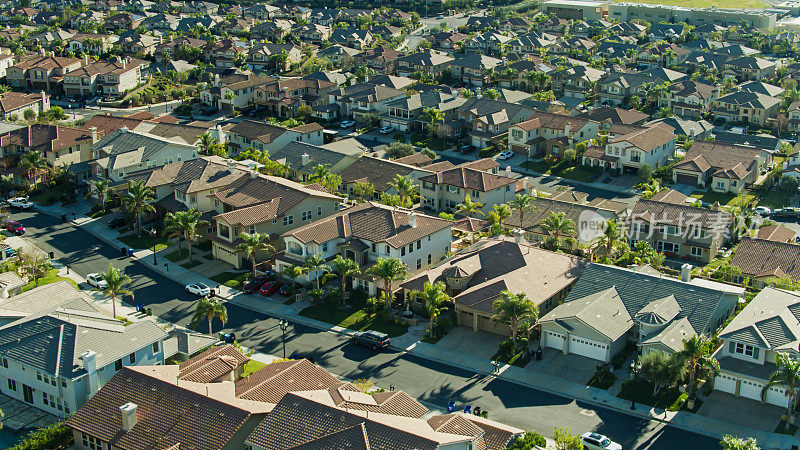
{"x":229,"y":338}
{"x":51,"y":255}
{"x":124,"y":251}
{"x":130,"y":252}
{"x":468,"y":409}
{"x":63,"y":217}
{"x":451,"y":406}
{"x":212,"y":292}
{"x":477,"y":411}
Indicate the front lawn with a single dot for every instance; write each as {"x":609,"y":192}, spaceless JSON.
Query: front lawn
{"x":50,"y":195}
{"x":231,"y":279}
{"x":51,"y":277}
{"x":252,"y":366}
{"x":178,"y":255}
{"x":603,"y":378}
{"x":773,"y":199}
{"x":571,"y":172}
{"x":354,"y":318}
{"x":194,"y":263}
{"x":781,"y":428}
{"x":145,"y":241}
{"x":641,"y":391}
{"x":726,"y":198}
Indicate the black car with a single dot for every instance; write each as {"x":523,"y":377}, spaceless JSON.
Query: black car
{"x":287,"y":290}
{"x":255,"y":284}
{"x":116,"y":222}
{"x":374,"y":339}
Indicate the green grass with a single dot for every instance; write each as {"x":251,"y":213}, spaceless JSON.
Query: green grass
{"x":772,"y":199}
{"x":49,"y":196}
{"x":712,"y":197}
{"x":51,"y":277}
{"x":353,"y":318}
{"x":602,"y":379}
{"x":753,"y":4}
{"x":641,"y":391}
{"x":178,"y":255}
{"x":145,"y":241}
{"x":124,"y":320}
{"x":194,"y":263}
{"x":577,"y":173}
{"x":231,"y":279}
{"x":209,"y":257}
{"x":252,"y":366}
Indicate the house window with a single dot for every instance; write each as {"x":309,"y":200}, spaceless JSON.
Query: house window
{"x":402,"y":251}
{"x":475,"y":194}
{"x":306,"y":215}
{"x":410,"y":247}
{"x":453,"y":189}
{"x":12,"y":384}
{"x":429,"y":258}
{"x":667,"y":247}
{"x":697,"y":252}
{"x":91,"y":442}
{"x":132,"y":358}
{"x":155,"y":347}
{"x":699,"y":233}
{"x":224,"y":231}
{"x":193,"y":198}
{"x":288,"y":220}
{"x":4,"y":362}
{"x":419,"y":243}
{"x":319,"y":210}
{"x":117,"y":365}
{"x":743,"y":349}
{"x":419,"y":264}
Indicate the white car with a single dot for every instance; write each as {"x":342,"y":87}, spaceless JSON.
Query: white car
{"x":346,"y":124}
{"x":596,"y":441}
{"x":504,"y":155}
{"x":20,"y":202}
{"x":199,"y":289}
{"x":385,"y":130}
{"x":96,"y":280}
{"x":763,"y":211}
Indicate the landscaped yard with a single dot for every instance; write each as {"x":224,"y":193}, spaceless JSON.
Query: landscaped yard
{"x":712,"y":197}
{"x":231,"y":279}
{"x":772,"y":199}
{"x":641,"y":391}
{"x":353,"y":318}
{"x":50,"y":195}
{"x":145,"y":241}
{"x":51,"y":277}
{"x":577,"y":173}
{"x":252,"y":366}
{"x":177,"y":255}
{"x":195,"y":262}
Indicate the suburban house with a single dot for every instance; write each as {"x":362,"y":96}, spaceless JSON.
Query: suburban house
{"x":302,"y":159}
{"x":271,"y":138}
{"x":486,"y":120}
{"x":99,"y":347}
{"x":364,"y":99}
{"x":59,"y":145}
{"x":765,"y":261}
{"x":767,"y":326}
{"x":721,"y":167}
{"x":611,"y":306}
{"x":107,"y":78}
{"x":689,"y":98}
{"x":428,"y":62}
{"x":575,"y":81}
{"x":16,"y":103}
{"x":380,"y":173}
{"x":680,"y":231}
{"x":267,"y":205}
{"x":473,"y":68}
{"x":652,"y":145}
{"x":617,"y":88}
{"x":746,"y":107}
{"x":366,"y":232}
{"x":746,"y":68}
{"x":405,"y":114}
{"x":381,"y":59}
{"x":41,"y":73}
{"x":549,"y":133}
{"x":476,"y":276}
{"x":283,"y":98}
{"x":446,"y":189}
{"x":234,"y":91}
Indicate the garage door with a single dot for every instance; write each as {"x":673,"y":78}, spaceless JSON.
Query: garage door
{"x":554,"y":340}
{"x":725,"y":383}
{"x":777,"y":396}
{"x":467,"y":319}
{"x":587,"y":348}
{"x":691,"y":180}
{"x":487,"y":324}
{"x":750,"y":389}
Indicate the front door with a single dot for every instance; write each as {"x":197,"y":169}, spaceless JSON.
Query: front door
{"x":27,"y":394}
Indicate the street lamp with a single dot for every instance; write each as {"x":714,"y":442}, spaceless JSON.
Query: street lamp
{"x":284,"y":324}
{"x":153,"y":233}
{"x":635,"y":370}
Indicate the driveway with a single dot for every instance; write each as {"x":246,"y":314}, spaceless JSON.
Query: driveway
{"x":481,"y":344}
{"x":570,"y":367}
{"x":728,"y":407}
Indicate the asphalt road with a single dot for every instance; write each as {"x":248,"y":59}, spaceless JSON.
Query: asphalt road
{"x":432,"y":383}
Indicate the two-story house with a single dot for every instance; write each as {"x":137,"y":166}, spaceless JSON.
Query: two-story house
{"x":284,"y":97}
{"x":272,"y":31}
{"x":746,"y":107}
{"x":427,"y":62}
{"x":125,"y":151}
{"x":351,"y":37}
{"x":720,"y":167}
{"x":486,"y":120}
{"x":378,"y":172}
{"x":60,"y":146}
{"x":652,"y":145}
{"x":17,"y":102}
{"x":488,"y":43}
{"x":364,"y":99}
{"x":445,"y":190}
{"x":96,"y":44}
{"x":689,"y":98}
{"x":270,"y":57}
{"x":268,"y":205}
{"x":302,"y":159}
{"x":381,"y":59}
{"x":746,"y":68}
{"x":41,"y":73}
{"x":312,"y":32}
{"x":405,"y":114}
{"x":617,"y":88}
{"x":269,"y":137}
{"x":576,"y":81}
{"x":366,"y":232}
{"x":473,"y":68}
{"x":107,"y":78}
{"x":550,"y":133}
{"x":234,"y":91}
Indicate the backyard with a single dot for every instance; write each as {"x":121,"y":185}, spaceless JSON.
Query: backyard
{"x":577,"y":173}
{"x":726,"y":198}
{"x":50,"y":277}
{"x":354,"y":318}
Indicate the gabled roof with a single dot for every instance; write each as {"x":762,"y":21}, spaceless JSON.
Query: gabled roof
{"x":648,"y":138}
{"x":292,"y":156}
{"x":602,"y":311}
{"x":763,"y":258}
{"x":770,"y":321}
{"x":709,"y":155}
{"x":672,"y":214}
{"x":379,"y":172}
{"x":270,"y":383}
{"x":777,"y":233}
{"x":212,"y":364}
{"x":44,"y":138}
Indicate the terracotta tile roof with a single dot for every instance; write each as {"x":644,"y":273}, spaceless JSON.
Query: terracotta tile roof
{"x":648,"y":138}
{"x":485,"y":164}
{"x":251,"y":215}
{"x":272,"y":382}
{"x":264,"y":188}
{"x":195,"y":175}
{"x":777,"y":233}
{"x":670,"y":196}
{"x":107,"y":124}
{"x":167,"y":415}
{"x":372,"y":222}
{"x":212,"y":364}
{"x":496,"y":435}
{"x":469,"y":179}
{"x":353,"y":438}
{"x":558,"y":121}
{"x":705,"y":155}
{"x":46,"y":62}
{"x":417,"y":159}
{"x":43,"y":137}
{"x":10,"y":101}
{"x":763,"y":258}
{"x":470,"y":224}
{"x":680,"y":215}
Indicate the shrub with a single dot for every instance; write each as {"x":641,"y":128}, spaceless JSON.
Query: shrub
{"x":528,"y":440}
{"x":54,"y":437}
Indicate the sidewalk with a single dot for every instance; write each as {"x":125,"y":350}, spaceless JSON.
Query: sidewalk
{"x":410,"y":343}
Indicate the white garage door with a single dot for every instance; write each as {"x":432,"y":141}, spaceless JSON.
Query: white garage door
{"x":725,"y":383}
{"x":750,"y":389}
{"x":587,"y":348}
{"x":554,"y":340}
{"x":777,"y":396}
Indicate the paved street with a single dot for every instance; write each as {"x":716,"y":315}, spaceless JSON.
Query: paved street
{"x":431,"y":382}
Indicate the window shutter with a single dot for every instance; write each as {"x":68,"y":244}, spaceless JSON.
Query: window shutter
{"x":755,"y":352}
{"x":732,"y":348}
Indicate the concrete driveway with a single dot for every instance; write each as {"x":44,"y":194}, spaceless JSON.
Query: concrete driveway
{"x":480,"y":344}
{"x":729,"y":408}
{"x":571,"y":367}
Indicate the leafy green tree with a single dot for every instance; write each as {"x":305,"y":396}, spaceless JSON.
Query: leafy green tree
{"x":100,"y":187}
{"x":34,"y":263}
{"x":434,"y":117}
{"x":116,"y":280}
{"x":696,"y":355}
{"x":518,"y":310}
{"x":138,"y":201}
{"x":389,"y":270}
{"x":565,"y":440}
{"x":253,"y":244}
{"x":294,"y":272}
{"x":499,"y":213}
{"x":363,"y":190}
{"x":399,"y":150}
{"x":34,"y":162}
{"x":729,"y":442}
{"x":29,"y":115}
{"x":468,"y":207}
{"x":645,"y":173}
{"x":528,"y":441}
{"x":207,"y":308}
{"x":207,"y":143}
{"x":523,"y":203}
{"x":611,"y":240}
{"x":661,"y":369}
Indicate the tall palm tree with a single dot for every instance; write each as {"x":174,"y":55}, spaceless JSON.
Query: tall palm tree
{"x":252,"y":244}
{"x":320,"y":172}
{"x":523,"y":203}
{"x":612,"y":239}
{"x":315,"y":263}
{"x":173,"y":228}
{"x":787,"y":374}
{"x":207,"y":143}
{"x":500,"y":212}
{"x":404,"y":186}
{"x":558,"y":225}
{"x":33,"y":161}
{"x":190,"y":222}
{"x":389,"y":270}
{"x":343,"y":268}
{"x":469,"y":207}
{"x":294,"y":272}
{"x":433,"y":295}
{"x":516,"y":309}
{"x":116,"y":280}
{"x":697,"y":356}
{"x":138,"y":201}
{"x":435,"y":117}
{"x":100,"y":187}
{"x":208,"y":308}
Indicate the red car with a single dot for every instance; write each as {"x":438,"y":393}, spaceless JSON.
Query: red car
{"x":15,"y":227}
{"x":270,"y":288}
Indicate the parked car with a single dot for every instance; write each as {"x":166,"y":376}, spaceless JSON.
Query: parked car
{"x":255,"y":284}
{"x":15,"y":227}
{"x":96,"y":280}
{"x":20,"y":202}
{"x":464,"y":149}
{"x":371,"y":338}
{"x":596,"y":441}
{"x":385,"y":130}
{"x":10,"y":252}
{"x":287,"y":290}
{"x":763,"y":211}
{"x":116,"y":222}
{"x":199,"y":289}
{"x":505,"y":154}
{"x":785,"y":213}
{"x":346,"y":124}
{"x":270,"y":288}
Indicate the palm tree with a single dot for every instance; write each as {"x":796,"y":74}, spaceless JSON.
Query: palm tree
{"x":557,"y":225}
{"x":115,"y":285}
{"x":252,"y":244}
{"x":611,"y":239}
{"x":433,"y":295}
{"x":315,"y":263}
{"x":389,"y":270}
{"x":434,"y":116}
{"x":101,"y":188}
{"x":500,"y":212}
{"x":33,"y":161}
{"x":138,"y":201}
{"x":469,"y":207}
{"x":173,"y":228}
{"x":517,"y":310}
{"x":523,"y":203}
{"x":320,"y":172}
{"x":696,"y":355}
{"x":189,"y":222}
{"x":293,"y":272}
{"x":787,"y":374}
{"x":208,"y":308}
{"x":404,"y":186}
{"x":343,"y":268}
{"x":207,"y":143}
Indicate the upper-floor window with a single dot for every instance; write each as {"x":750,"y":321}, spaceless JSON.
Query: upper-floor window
{"x":288,"y":220}
{"x":744,"y":349}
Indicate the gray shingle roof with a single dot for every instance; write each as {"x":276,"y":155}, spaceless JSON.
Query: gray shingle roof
{"x":769,"y":321}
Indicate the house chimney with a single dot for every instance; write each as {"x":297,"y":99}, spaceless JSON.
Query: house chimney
{"x":93,"y":132}
{"x":44,"y":100}
{"x":124,"y":63}
{"x":507,"y":172}
{"x":231,"y":165}
{"x":519,"y":236}
{"x":253,"y":173}
{"x":220,"y":134}
{"x":686,"y":272}
{"x":124,"y":129}
{"x":128,"y":411}
{"x":305,"y":159}
{"x":412,"y":220}
{"x":216,"y":80}
{"x":526,"y":184}
{"x":567,"y":128}
{"x":85,"y":60}
{"x":41,"y":52}
{"x":89,"y":359}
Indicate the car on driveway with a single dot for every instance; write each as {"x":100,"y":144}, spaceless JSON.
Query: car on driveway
{"x":385,"y":130}
{"x":371,"y":338}
{"x":255,"y":284}
{"x":504,"y":155}
{"x":15,"y":228}
{"x":346,"y":124}
{"x":596,"y":441}
{"x":116,"y":222}
{"x":199,"y":289}
{"x":763,"y":211}
{"x":20,"y":202}
{"x":270,"y":288}
{"x":96,"y":280}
